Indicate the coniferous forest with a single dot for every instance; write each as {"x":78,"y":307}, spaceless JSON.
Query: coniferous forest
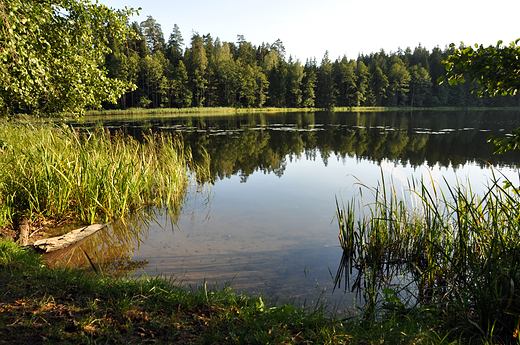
{"x":206,"y":72}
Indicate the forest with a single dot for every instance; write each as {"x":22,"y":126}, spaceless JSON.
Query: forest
{"x":209,"y":73}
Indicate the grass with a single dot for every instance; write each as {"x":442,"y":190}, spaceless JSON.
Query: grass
{"x":229,"y":110}
{"x":193,"y":111}
{"x":453,"y":253}
{"x":54,"y":172}
{"x":43,"y":305}
{"x":411,"y":109}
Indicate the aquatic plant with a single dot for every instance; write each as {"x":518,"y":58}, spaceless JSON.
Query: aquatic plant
{"x":449,"y":250}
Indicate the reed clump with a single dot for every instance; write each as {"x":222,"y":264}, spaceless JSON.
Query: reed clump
{"x":53,"y":172}
{"x":448,"y":252}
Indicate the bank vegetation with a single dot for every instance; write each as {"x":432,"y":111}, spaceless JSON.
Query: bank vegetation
{"x":54,"y":172}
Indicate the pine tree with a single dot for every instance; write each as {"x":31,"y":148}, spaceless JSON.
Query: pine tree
{"x":174,"y":50}
{"x":326,"y":89}
{"x":153,"y":34}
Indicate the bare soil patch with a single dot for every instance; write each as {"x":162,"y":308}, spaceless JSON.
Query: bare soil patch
{"x":40,"y":229}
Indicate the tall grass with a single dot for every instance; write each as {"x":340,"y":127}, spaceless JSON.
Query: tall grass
{"x":228,"y":110}
{"x":195,"y":111}
{"x":449,"y":250}
{"x":54,"y":172}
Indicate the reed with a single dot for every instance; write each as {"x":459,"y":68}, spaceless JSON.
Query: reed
{"x":229,"y":110}
{"x":193,"y":111}
{"x":54,"y":172}
{"x":455,"y":253}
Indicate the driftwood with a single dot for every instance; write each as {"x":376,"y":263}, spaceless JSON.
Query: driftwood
{"x":58,"y":256}
{"x":52,"y":244}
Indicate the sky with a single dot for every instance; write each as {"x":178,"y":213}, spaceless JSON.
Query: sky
{"x":309,"y":28}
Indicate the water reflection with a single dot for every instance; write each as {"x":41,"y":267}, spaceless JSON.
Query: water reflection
{"x":268,"y":226}
{"x":111,"y":249}
{"x":245,"y":143}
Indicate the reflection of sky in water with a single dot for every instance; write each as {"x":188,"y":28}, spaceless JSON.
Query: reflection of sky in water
{"x":278,"y":235}
{"x":469,"y":174}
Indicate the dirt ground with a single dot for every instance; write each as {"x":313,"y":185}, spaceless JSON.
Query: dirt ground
{"x":38,"y":230}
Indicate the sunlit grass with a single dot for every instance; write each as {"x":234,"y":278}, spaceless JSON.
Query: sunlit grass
{"x":53,"y":172}
{"x":194,"y":111}
{"x":229,"y":111}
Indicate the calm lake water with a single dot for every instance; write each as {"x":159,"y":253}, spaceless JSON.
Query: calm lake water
{"x":266,"y":221}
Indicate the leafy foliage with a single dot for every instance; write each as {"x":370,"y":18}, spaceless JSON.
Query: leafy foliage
{"x":52,"y":53}
{"x":495,"y":69}
{"x":509,"y":143}
{"x":68,"y":55}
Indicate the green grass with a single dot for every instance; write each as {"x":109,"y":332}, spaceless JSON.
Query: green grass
{"x":411,"y":109}
{"x":64,"y":306}
{"x":192,"y":111}
{"x":213,"y":111}
{"x":53,"y":172}
{"x":457,"y":255}
{"x":228,"y":111}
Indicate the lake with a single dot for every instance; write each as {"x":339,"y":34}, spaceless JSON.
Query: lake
{"x":265,"y":221}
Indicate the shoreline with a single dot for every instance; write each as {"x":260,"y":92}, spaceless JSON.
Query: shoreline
{"x":39,"y":304}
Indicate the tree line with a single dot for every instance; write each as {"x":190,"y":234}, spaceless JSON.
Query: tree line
{"x":211,"y":73}
{"x":65,"y":56}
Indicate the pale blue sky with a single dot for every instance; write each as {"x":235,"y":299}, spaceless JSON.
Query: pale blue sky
{"x":309,"y":28}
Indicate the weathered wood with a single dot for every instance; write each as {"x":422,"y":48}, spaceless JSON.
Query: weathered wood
{"x":56,"y":243}
{"x":57,"y":256}
{"x":23,"y":226}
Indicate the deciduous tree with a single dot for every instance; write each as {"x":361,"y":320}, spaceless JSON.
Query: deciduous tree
{"x":495,"y":69}
{"x":379,"y":84}
{"x":420,"y":85}
{"x":52,"y":53}
{"x":363,"y":77}
{"x":346,"y":78}
{"x":294,"y":80}
{"x":196,"y":63}
{"x":180,"y":94}
{"x":309,"y":82}
{"x":398,"y":81}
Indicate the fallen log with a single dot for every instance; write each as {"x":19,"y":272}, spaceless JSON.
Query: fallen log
{"x":52,"y":244}
{"x":60,"y":256}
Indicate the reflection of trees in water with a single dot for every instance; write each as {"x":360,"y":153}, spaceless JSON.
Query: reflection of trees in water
{"x":112,"y":248}
{"x":413,"y":140}
{"x":241,"y":153}
{"x":244,"y":143}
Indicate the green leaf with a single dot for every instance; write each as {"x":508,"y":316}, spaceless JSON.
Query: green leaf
{"x":56,"y":56}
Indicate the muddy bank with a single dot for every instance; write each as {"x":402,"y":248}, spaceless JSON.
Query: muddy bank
{"x":38,"y":230}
